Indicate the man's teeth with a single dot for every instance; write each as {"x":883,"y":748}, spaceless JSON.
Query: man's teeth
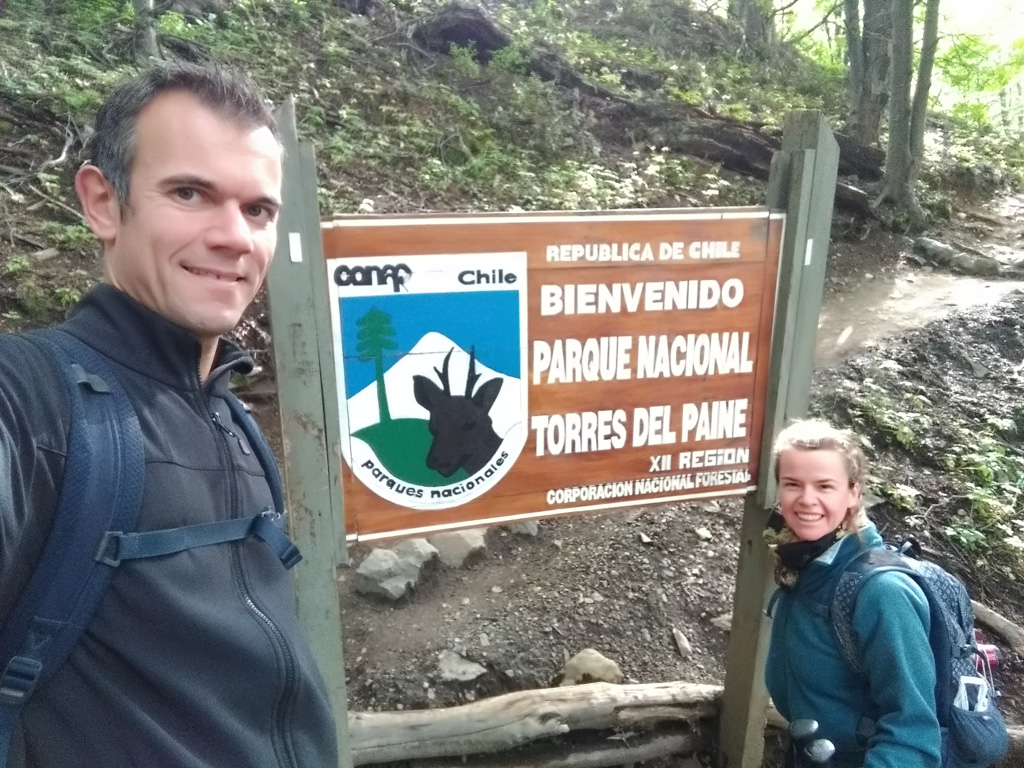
{"x":206,"y":273}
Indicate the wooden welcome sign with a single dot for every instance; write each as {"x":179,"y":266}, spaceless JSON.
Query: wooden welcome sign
{"x":499,"y":367}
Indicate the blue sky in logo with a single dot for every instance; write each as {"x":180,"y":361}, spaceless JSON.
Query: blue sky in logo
{"x":486,"y":320}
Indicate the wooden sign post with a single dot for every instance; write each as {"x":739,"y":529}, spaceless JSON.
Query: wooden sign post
{"x":803,"y":182}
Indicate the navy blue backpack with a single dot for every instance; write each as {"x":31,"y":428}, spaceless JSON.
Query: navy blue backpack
{"x":94,"y":523}
{"x":973,"y":730}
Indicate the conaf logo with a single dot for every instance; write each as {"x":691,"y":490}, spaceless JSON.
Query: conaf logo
{"x":432,"y":380}
{"x":361,"y":275}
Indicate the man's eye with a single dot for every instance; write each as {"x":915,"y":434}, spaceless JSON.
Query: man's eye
{"x":260,"y":212}
{"x":185,"y":193}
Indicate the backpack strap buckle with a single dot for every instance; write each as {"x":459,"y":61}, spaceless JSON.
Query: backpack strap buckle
{"x":109,"y":549}
{"x":19,"y":680}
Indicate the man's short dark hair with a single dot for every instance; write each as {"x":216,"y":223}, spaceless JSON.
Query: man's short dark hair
{"x":229,"y":93}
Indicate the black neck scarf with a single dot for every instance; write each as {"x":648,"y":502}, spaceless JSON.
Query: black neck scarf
{"x":796,"y":555}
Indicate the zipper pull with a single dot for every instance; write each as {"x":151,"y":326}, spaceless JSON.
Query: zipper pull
{"x":223,"y":428}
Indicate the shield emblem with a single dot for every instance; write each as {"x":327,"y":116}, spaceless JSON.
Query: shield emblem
{"x":430,"y":355}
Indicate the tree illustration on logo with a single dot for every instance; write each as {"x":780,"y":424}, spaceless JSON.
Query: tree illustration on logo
{"x":376,"y":334}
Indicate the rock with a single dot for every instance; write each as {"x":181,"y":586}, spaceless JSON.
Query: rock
{"x":644,"y":538}
{"x":417,"y":551}
{"x":934,"y":251}
{"x":723,"y":622}
{"x":452,"y":666}
{"x":985,"y":266}
{"x":496,"y":589}
{"x":524,"y":528}
{"x":703,"y":534}
{"x":962,"y":261}
{"x":871,"y":501}
{"x":385,"y":574}
{"x":589,"y":666}
{"x":45,"y":254}
{"x":459,"y":548}
{"x":980,"y":371}
{"x":682,"y":643}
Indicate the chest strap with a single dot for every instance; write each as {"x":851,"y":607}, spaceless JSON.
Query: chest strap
{"x":117,"y":545}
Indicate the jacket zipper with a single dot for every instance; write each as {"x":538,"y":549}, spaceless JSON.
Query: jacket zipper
{"x":227,"y":431}
{"x":289,"y":662}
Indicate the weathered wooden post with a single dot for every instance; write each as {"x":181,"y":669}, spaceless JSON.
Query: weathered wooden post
{"x":802,"y":182}
{"x":301,"y":328}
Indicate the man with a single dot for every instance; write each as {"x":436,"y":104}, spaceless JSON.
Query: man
{"x":195,"y":658}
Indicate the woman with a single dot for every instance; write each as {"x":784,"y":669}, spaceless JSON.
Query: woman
{"x":886,"y":719}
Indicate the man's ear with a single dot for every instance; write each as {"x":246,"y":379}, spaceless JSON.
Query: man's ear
{"x":99,"y":202}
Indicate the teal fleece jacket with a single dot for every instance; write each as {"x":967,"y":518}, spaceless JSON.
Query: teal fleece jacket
{"x":808,"y":678}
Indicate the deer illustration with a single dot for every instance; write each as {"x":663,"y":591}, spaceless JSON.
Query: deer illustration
{"x":460,"y":424}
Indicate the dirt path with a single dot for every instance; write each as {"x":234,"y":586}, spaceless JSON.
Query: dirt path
{"x":883,"y":306}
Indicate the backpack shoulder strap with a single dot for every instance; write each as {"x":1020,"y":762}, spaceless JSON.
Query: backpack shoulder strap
{"x":847,"y":587}
{"x":266,"y":525}
{"x":260,"y":447}
{"x":101,"y":490}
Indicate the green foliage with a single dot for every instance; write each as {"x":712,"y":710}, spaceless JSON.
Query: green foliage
{"x":903,"y":497}
{"x":67,"y":296}
{"x":901,"y":423}
{"x":69,"y":237}
{"x":16,"y":265}
{"x":971,"y":65}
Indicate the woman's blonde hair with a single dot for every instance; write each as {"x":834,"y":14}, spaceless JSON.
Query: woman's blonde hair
{"x":817,"y":435}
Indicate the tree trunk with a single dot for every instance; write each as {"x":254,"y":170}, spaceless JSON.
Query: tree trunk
{"x":900,"y":170}
{"x":854,"y":58}
{"x":919,"y":110}
{"x":145,"y":31}
{"x":757,"y":20}
{"x":869,"y":67}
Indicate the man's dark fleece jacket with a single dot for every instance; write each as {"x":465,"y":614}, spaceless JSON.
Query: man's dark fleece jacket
{"x":192,"y":659}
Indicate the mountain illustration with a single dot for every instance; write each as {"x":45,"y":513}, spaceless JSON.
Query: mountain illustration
{"x":403,"y":442}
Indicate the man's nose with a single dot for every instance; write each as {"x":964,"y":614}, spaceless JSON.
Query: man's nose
{"x":231,"y":230}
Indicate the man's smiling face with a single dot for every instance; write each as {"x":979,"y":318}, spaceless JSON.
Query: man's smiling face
{"x":195,"y":241}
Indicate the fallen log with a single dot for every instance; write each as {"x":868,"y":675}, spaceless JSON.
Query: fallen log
{"x":602,"y":752}
{"x":580,"y":726}
{"x":1006,"y":629}
{"x":469,"y":26}
{"x":516,"y":719}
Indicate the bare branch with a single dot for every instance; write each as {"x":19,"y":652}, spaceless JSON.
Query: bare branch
{"x":69,"y":139}
{"x":58,"y":203}
{"x":828,"y":15}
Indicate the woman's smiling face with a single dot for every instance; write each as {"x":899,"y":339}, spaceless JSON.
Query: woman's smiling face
{"x":815,"y":492}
